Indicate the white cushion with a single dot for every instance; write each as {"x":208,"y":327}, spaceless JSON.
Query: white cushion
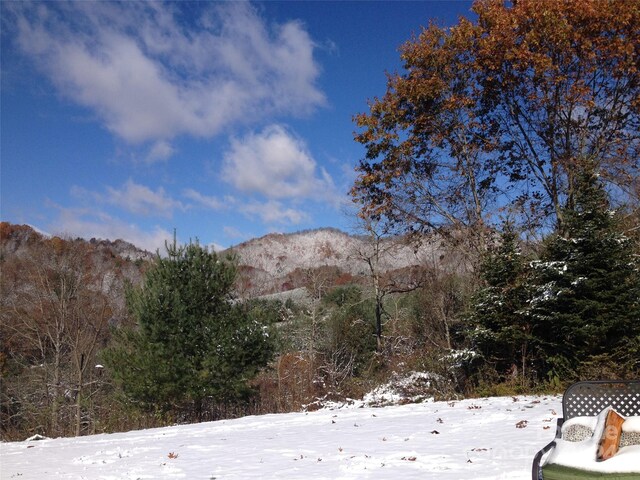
{"x":631,"y":424}
{"x":578,"y":429}
{"x":582,"y":455}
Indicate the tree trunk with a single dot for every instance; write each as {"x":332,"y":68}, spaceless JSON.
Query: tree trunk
{"x":79,"y":392}
{"x":379,"y":322}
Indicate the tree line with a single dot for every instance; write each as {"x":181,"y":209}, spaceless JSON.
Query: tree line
{"x":93,"y":342}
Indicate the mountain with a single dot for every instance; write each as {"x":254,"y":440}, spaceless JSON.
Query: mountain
{"x":104,"y":266}
{"x":279,"y":254}
{"x":269,"y":264}
{"x":18,"y":239}
{"x":279,"y":262}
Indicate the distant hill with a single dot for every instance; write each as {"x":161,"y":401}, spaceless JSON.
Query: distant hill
{"x":280,"y":254}
{"x":269,"y":264}
{"x":107,"y":266}
{"x":277,"y":262}
{"x":17,"y":239}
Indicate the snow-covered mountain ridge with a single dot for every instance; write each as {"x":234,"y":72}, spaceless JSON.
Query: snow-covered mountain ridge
{"x":273,"y":263}
{"x":275,"y":254}
{"x":280,"y":254}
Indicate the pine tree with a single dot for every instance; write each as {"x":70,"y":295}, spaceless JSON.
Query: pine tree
{"x":586,"y":302}
{"x":191,"y":347}
{"x":501,"y":332}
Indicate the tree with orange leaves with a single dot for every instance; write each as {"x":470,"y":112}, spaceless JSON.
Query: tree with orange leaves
{"x":500,"y":114}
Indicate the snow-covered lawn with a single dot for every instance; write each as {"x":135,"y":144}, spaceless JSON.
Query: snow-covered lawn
{"x":494,"y":438}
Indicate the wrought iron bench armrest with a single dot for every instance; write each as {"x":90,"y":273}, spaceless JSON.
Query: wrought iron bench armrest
{"x":536,"y":472}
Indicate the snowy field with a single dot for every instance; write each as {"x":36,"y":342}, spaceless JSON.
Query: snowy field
{"x":494,"y":438}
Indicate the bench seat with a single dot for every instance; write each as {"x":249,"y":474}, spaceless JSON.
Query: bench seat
{"x":559,"y":472}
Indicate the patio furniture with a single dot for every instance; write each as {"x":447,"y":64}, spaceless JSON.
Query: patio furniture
{"x":588,"y":399}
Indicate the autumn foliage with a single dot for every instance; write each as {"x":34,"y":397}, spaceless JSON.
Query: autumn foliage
{"x":499,"y":114}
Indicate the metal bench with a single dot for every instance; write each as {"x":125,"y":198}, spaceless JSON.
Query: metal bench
{"x":588,"y":399}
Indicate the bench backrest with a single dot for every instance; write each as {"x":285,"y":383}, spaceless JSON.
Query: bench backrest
{"x":588,"y":399}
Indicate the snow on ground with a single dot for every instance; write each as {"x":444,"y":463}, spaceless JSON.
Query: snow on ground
{"x":491,"y":438}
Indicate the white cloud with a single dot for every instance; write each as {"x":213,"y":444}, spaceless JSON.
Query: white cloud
{"x":233,"y":232}
{"x":216,"y":247}
{"x":274,"y":212}
{"x":141,"y":200}
{"x":89,"y":223}
{"x":160,"y":152}
{"x":212,"y":203}
{"x":276,"y":164}
{"x":135,"y":198}
{"x":150,"y":73}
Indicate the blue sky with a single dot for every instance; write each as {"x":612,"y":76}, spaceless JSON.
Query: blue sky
{"x":223,"y":120}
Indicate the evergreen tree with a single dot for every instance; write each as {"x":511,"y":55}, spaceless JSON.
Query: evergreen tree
{"x":586,"y":301}
{"x":191,"y":347}
{"x":501,"y":331}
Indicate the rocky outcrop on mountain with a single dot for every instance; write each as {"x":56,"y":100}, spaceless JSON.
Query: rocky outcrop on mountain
{"x":280,"y":254}
{"x":276,"y":262}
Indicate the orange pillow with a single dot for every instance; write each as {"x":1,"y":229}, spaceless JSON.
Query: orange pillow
{"x":610,"y":440}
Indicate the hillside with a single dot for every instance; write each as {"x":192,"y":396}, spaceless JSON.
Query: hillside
{"x":276,"y":262}
{"x":279,"y":254}
{"x":269,"y":264}
{"x":105,"y":266}
{"x":62,"y":296}
{"x":19,"y":239}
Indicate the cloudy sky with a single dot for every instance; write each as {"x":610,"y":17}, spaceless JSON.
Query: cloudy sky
{"x":222,"y":120}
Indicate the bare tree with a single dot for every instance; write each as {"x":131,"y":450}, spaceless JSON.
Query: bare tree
{"x":378,"y":254}
{"x":55,"y":316}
